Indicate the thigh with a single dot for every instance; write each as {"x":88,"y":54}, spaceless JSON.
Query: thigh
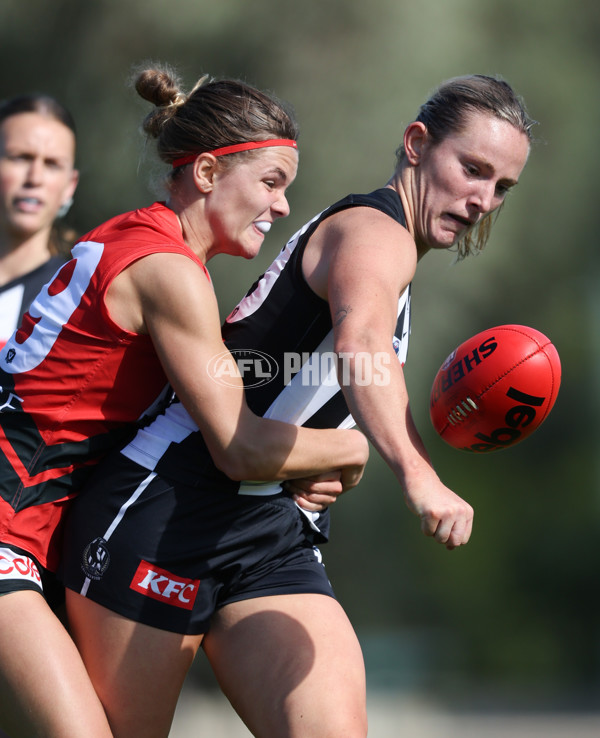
{"x":137,"y":670}
{"x":291,"y":666}
{"x":44,"y":688}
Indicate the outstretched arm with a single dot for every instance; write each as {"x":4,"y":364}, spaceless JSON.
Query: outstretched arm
{"x":361,"y":262}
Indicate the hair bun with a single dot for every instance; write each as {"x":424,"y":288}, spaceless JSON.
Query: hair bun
{"x":161,"y":87}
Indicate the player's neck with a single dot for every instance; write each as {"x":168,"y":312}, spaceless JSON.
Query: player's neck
{"x":402,"y":183}
{"x":19,"y":257}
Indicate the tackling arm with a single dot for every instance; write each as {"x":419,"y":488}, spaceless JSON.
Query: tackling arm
{"x":171,"y":299}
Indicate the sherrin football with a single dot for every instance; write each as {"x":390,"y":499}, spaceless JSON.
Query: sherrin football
{"x":495,"y":389}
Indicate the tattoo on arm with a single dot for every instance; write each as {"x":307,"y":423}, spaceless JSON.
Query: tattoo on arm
{"x":342,"y":314}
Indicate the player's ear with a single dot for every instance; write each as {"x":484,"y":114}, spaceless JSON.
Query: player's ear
{"x":204,"y":169}
{"x":415,"y":137}
{"x":68,"y":192}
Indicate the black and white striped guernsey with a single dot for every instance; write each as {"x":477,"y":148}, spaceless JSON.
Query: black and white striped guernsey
{"x":282,"y":321}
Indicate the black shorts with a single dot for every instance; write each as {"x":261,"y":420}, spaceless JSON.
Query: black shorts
{"x":20,"y":570}
{"x":169,"y":555}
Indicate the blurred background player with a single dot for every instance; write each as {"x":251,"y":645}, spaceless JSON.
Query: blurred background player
{"x":37,"y":182}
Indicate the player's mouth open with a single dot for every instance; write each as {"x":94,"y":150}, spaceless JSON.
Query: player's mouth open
{"x":460,"y":219}
{"x":262,"y":225}
{"x":27,"y":203}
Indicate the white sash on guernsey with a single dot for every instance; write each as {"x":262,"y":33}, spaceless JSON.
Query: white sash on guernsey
{"x":302,"y":397}
{"x":298,"y":402}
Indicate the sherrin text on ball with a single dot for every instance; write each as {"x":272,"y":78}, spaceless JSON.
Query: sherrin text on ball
{"x":495,"y":389}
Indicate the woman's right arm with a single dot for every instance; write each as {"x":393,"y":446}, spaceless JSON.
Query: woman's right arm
{"x":170,"y":298}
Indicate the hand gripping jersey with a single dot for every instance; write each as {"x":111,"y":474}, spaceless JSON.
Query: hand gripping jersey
{"x":281,"y":336}
{"x":72,"y":381}
{"x":17,"y":295}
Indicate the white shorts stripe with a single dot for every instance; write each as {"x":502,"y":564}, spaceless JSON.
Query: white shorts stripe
{"x":119,"y":517}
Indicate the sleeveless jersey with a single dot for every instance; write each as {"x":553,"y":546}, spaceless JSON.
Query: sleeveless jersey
{"x":72,"y":381}
{"x":281,"y":337}
{"x":18,"y":294}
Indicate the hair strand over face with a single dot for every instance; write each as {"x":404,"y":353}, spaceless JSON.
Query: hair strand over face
{"x":446,"y":112}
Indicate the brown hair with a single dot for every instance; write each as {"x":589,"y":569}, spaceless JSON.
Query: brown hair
{"x":62,"y":237}
{"x":446,"y":112}
{"x":214,"y":114}
{"x":37,"y":103}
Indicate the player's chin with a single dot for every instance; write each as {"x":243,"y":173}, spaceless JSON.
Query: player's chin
{"x":445,"y":238}
{"x":253,"y":245}
{"x":249,"y":249}
{"x":445,"y":244}
{"x":28,"y":224}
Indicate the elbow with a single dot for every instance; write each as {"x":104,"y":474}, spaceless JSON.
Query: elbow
{"x":365,"y":361}
{"x":239,"y":463}
{"x":357,"y":342}
{"x":257,"y":451}
{"x":233,"y":466}
{"x":357,"y":350}
{"x":368,"y":338}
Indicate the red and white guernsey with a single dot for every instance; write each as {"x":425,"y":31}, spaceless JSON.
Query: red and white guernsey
{"x":72,"y":381}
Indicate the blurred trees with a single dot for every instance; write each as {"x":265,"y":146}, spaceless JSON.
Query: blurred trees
{"x":518,"y":607}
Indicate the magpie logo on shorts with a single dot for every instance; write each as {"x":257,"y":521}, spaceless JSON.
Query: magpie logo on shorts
{"x":159,"y":584}
{"x":95,"y":559}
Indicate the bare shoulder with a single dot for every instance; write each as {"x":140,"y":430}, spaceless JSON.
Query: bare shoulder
{"x":359,"y":240}
{"x":164,"y":263}
{"x":155,"y":282}
{"x":372,"y":240}
{"x":364,"y":220}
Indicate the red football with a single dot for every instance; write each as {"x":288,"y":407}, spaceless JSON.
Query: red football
{"x":495,"y":389}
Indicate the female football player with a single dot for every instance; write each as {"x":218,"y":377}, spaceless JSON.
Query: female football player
{"x":165,"y":553}
{"x":37,"y":182}
{"x":133,"y":309}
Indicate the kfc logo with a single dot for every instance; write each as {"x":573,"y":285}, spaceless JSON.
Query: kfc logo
{"x":162,"y":585}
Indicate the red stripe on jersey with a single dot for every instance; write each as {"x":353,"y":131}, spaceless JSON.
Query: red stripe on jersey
{"x":26,"y":479}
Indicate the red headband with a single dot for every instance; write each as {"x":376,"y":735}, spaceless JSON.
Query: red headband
{"x":237,"y":147}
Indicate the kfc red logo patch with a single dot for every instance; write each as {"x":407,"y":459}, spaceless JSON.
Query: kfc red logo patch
{"x":162,"y":585}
